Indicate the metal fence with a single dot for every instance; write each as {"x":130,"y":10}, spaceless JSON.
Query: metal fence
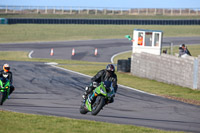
{"x":97,"y":10}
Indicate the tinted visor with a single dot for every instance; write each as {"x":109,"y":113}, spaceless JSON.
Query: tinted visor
{"x":7,"y":68}
{"x":111,"y":72}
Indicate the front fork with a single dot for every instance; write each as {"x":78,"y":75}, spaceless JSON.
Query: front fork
{"x":92,"y":97}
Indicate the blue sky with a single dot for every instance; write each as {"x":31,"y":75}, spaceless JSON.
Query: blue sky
{"x":108,"y":3}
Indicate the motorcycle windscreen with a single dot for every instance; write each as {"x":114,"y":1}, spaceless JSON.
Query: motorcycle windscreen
{"x":108,"y":84}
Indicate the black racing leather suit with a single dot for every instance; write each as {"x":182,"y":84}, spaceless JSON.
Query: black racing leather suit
{"x":12,"y":88}
{"x":103,"y":75}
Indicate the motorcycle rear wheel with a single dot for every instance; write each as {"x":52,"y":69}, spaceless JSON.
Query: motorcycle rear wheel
{"x":100,"y":102}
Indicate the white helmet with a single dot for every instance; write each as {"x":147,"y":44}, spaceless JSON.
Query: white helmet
{"x":6,"y":67}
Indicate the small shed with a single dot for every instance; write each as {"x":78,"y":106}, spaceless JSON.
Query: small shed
{"x":148,"y":41}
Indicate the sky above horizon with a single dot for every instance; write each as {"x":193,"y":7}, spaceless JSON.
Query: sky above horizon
{"x":107,"y":3}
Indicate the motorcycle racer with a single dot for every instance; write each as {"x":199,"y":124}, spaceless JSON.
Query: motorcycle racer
{"x":6,"y":71}
{"x":107,"y":74}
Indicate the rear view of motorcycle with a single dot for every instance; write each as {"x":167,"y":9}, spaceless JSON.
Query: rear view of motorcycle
{"x":98,"y":98}
{"x":4,"y":88}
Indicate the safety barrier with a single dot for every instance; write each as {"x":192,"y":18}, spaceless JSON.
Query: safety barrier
{"x":102,"y":21}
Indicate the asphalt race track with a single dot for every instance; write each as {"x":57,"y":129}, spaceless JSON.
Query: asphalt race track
{"x":47,"y":90}
{"x":84,"y":50}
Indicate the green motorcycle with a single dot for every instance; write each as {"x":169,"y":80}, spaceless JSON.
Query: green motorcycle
{"x":100,"y":96}
{"x":4,"y":88}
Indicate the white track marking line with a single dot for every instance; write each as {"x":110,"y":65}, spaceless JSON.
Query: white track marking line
{"x":30,"y":54}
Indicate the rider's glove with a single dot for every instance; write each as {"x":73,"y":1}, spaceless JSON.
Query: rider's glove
{"x":95,"y":84}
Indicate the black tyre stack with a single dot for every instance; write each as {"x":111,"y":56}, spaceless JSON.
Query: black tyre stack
{"x":124,"y":65}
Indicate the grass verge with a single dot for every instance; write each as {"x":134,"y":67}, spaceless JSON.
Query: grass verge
{"x":12,"y":122}
{"x":61,"y":32}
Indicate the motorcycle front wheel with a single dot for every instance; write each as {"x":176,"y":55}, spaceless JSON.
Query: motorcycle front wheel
{"x":98,"y":105}
{"x":83,"y":110}
{"x":2,"y":97}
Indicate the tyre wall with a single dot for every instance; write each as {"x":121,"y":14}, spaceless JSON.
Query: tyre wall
{"x":102,"y":21}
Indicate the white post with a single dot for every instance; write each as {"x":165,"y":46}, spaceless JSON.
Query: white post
{"x":54,"y":10}
{"x":104,"y":11}
{"x":96,"y":12}
{"x":163,"y":11}
{"x":62,"y":10}
{"x":6,"y":9}
{"x":180,"y":11}
{"x":171,"y":11}
{"x":70,"y":10}
{"x":121,"y":12}
{"x":88,"y":11}
{"x":46,"y":10}
{"x":129,"y":11}
{"x":37,"y":10}
{"x":155,"y":11}
{"x":146,"y":11}
{"x":138,"y":11}
{"x":79,"y":10}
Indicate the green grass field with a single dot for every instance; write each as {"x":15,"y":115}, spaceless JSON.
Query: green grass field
{"x":61,"y":32}
{"x":12,"y":122}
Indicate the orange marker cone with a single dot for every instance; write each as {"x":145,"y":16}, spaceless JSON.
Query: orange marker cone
{"x":73,"y":52}
{"x":95,"y":52}
{"x":51,"y":53}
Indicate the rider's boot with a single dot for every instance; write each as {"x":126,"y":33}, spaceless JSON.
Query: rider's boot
{"x":110,"y":100}
{"x":87,"y":91}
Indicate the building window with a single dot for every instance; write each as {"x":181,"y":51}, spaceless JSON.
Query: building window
{"x":156,"y":39}
{"x":148,"y":39}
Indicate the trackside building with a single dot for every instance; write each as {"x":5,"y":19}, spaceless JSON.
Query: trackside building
{"x":148,"y":62}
